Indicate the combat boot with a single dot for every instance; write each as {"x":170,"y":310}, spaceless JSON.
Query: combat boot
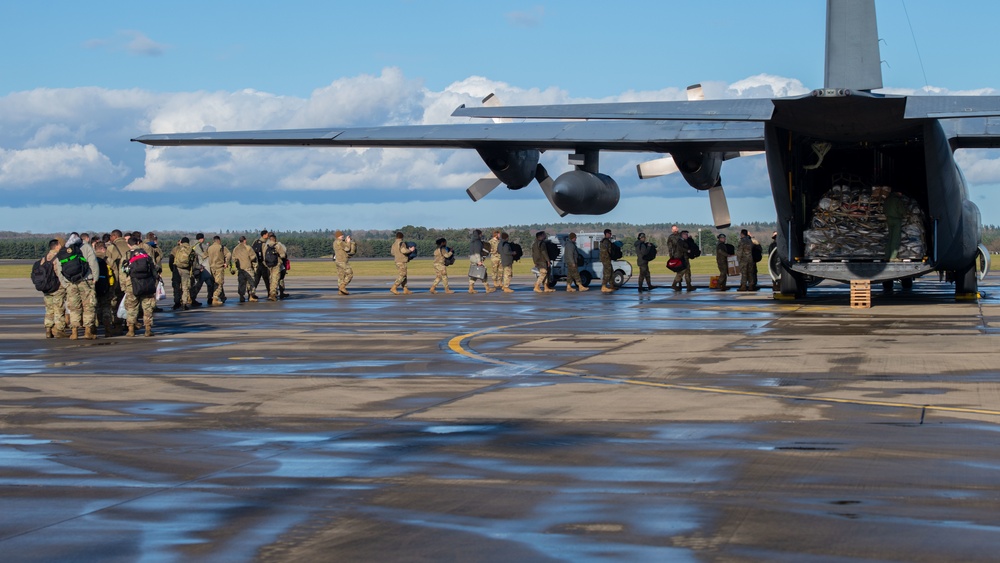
{"x":253,"y":299}
{"x":606,"y":289}
{"x":472,"y":288}
{"x":392,"y":289}
{"x":583,"y":288}
{"x":448,"y":290}
{"x":59,"y":332}
{"x":131,"y":330}
{"x":691,"y":288}
{"x":570,"y":289}
{"x":89,"y":333}
{"x":342,"y":290}
{"x":72,"y":333}
{"x":149,"y":328}
{"x":547,"y":289}
{"x":432,"y":290}
{"x":538,"y":286}
{"x":48,"y":332}
{"x":508,"y":290}
{"x":490,"y":289}
{"x":406,"y":291}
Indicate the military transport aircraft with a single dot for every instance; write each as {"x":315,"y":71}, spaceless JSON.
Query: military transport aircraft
{"x":834,"y":157}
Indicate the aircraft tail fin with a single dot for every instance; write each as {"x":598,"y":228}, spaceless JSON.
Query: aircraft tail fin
{"x":852,"y":50}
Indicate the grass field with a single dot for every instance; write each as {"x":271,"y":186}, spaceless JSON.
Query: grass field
{"x":418,"y":267}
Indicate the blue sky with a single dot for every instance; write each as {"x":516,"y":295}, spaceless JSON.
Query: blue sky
{"x":79,"y":79}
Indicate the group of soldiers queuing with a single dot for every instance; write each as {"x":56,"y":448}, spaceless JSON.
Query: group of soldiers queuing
{"x":85,"y":281}
{"x":93,"y":277}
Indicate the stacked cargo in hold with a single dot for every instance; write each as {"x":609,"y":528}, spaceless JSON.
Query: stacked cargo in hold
{"x":848,"y":223}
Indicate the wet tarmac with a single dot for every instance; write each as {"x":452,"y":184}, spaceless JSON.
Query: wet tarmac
{"x":692,"y":426}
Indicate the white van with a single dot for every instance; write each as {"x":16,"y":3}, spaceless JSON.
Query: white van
{"x":588,"y":245}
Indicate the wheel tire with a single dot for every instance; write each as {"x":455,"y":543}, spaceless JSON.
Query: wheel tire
{"x":792,"y":284}
{"x":618,"y":278}
{"x":966,"y":283}
{"x":586,"y":278}
{"x":906,"y":283}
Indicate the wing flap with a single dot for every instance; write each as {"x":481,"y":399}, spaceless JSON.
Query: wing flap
{"x":951,"y":107}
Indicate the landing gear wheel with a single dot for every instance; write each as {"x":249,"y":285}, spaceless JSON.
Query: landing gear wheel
{"x":792,"y":284}
{"x":966,"y":283}
{"x":887,"y":286}
{"x":906,"y":283}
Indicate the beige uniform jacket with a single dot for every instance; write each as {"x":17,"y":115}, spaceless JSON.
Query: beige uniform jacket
{"x":219,"y":256}
{"x":245,"y":256}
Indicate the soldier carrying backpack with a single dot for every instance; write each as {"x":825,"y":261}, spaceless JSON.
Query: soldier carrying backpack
{"x":46,"y":280}
{"x":140,"y":286}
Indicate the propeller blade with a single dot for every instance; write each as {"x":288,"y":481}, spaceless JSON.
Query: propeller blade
{"x":492,"y":101}
{"x":546,"y":182}
{"x":720,"y":209}
{"x":732,"y":155}
{"x":695,"y":93}
{"x":482,"y":187}
{"x":656,"y":168}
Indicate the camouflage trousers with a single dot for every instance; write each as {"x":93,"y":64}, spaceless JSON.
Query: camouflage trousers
{"x":55,"y":309}
{"x":344,"y":274}
{"x":644,"y":275}
{"x":219,"y":276}
{"x":105,"y":312}
{"x":245,"y":287}
{"x":182,"y":286}
{"x":400,"y":274}
{"x":723,"y":276}
{"x":440,"y":275}
{"x":683,"y":276}
{"x":474,"y":261}
{"x":274,"y":277}
{"x":496,"y":269}
{"x":82,"y":303}
{"x":508,"y":272}
{"x":746,"y":275}
{"x":132,"y":304}
{"x":607,"y":272}
{"x":573,"y":276}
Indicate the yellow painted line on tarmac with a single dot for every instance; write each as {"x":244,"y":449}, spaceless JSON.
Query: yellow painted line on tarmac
{"x":457,"y":345}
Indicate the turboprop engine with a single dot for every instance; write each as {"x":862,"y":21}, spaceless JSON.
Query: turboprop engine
{"x":585,"y":193}
{"x":516,"y":168}
{"x":700,"y":170}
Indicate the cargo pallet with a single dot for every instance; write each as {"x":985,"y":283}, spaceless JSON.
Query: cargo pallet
{"x":861,"y":294}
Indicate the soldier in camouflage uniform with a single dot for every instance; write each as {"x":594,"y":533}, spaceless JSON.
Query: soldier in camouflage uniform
{"x":540,"y":257}
{"x":115,"y":254}
{"x":272,"y":248}
{"x":80,"y":298}
{"x":496,"y":266}
{"x":722,"y":261}
{"x":572,"y":268}
{"x":400,"y":253}
{"x":135,"y":259}
{"x":744,"y":254}
{"x":440,"y":269}
{"x":607,"y":267}
{"x":219,"y":259}
{"x":507,"y":262}
{"x":55,"y":301}
{"x":182,"y":258}
{"x":477,"y":250}
{"x":245,"y":261}
{"x":102,"y":289}
{"x":343,"y":249}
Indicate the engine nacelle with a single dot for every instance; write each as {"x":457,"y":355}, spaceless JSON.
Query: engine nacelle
{"x":516,"y":168}
{"x":700,"y":170}
{"x":583,"y":193}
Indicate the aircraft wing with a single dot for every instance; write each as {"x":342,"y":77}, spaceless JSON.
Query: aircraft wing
{"x":750,"y":109}
{"x":945,"y":107}
{"x":641,"y":136}
{"x":977,"y":133}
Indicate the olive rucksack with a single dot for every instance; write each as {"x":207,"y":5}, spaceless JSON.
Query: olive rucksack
{"x":141,"y":273}
{"x":615,"y":250}
{"x":74,"y":265}
{"x":516,"y":251}
{"x":43,"y":275}
{"x":650,"y":252}
{"x":271,"y":257}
